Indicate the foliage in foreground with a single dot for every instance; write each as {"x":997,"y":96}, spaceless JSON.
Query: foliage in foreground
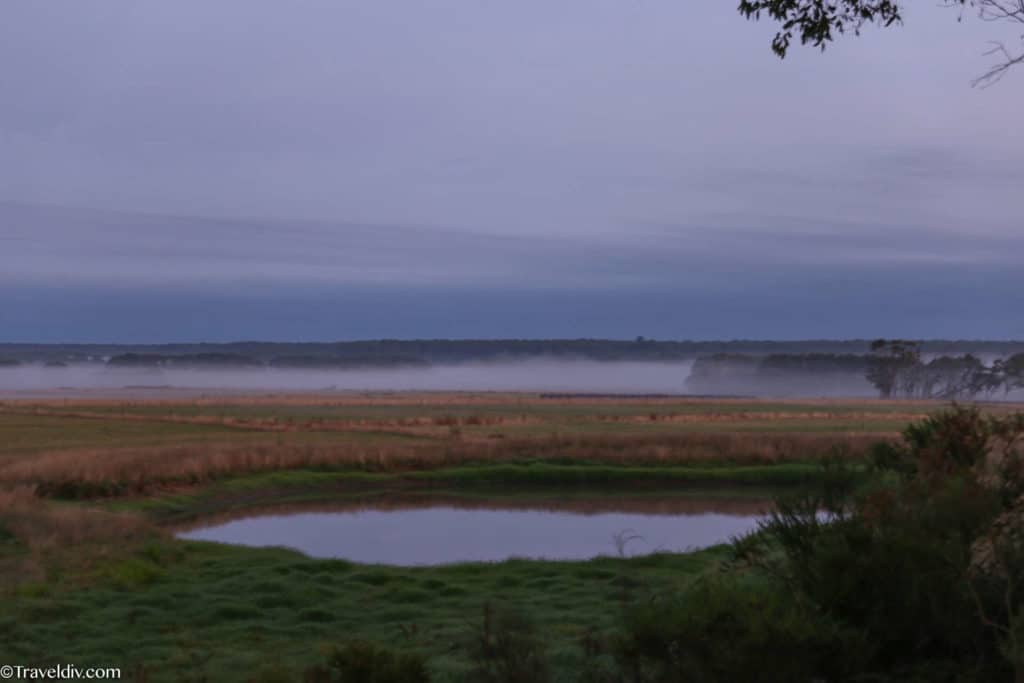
{"x":915,"y":580}
{"x":507,"y":649}
{"x":364,"y":662}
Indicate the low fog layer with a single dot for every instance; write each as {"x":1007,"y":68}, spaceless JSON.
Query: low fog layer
{"x":537,"y":375}
{"x":791,"y":385}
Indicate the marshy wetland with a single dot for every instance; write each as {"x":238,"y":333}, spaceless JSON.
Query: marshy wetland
{"x":381,"y":495}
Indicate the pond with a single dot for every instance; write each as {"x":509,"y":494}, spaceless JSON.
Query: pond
{"x":440,"y":533}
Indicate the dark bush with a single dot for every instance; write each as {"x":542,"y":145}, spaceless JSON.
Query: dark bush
{"x":897,"y":572}
{"x":7,"y":537}
{"x":730,"y":630}
{"x":507,"y":649}
{"x":76,"y":489}
{"x":917,"y":578}
{"x":364,"y":662}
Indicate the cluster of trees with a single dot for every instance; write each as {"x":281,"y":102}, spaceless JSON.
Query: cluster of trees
{"x":896,"y":369}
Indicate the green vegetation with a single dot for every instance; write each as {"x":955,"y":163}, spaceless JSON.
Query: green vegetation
{"x":910,"y":576}
{"x":496,"y":482}
{"x":365,"y":662}
{"x":913,"y":580}
{"x":181,"y":610}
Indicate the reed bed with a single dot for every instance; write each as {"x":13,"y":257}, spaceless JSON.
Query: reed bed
{"x":430,"y":431}
{"x":116,"y":471}
{"x":126,"y":399}
{"x":43,"y":527}
{"x":41,"y":540}
{"x":121,"y":471}
{"x":415,"y":425}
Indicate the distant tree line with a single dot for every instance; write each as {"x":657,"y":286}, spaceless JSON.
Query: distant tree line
{"x":897,"y":370}
{"x":893,"y":368}
{"x":231,"y":360}
{"x":207,"y":360}
{"x":384,"y":360}
{"x":441,"y":351}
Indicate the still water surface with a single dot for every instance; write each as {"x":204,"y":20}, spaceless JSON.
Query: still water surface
{"x":444,"y":534}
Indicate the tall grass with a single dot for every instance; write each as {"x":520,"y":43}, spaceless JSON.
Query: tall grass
{"x":119,"y":471}
{"x":227,"y":416}
{"x":43,"y":535}
{"x":42,"y":527}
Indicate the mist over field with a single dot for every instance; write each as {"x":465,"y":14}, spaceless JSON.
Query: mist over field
{"x":526,"y":375}
{"x":529,"y":375}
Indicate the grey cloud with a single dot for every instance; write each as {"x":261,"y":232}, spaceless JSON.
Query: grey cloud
{"x":580,"y":146}
{"x":46,"y":244}
{"x":487,"y":116}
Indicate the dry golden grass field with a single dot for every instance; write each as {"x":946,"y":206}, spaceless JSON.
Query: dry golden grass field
{"x":195,"y":438}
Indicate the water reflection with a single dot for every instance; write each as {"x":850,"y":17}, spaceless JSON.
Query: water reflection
{"x":439,"y":533}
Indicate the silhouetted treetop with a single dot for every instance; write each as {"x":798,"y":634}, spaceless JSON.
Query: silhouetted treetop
{"x":819,"y":22}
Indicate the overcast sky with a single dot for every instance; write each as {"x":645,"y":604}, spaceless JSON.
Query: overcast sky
{"x":187,"y":170}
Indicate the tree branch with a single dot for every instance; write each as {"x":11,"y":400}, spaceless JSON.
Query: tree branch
{"x":819,"y":22}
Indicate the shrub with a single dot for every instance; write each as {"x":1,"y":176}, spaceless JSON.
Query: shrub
{"x":7,"y":537}
{"x":274,"y":673}
{"x":916,"y":579}
{"x":898,"y":567}
{"x":729,"y":630}
{"x":898,"y":576}
{"x":365,"y":662}
{"x":507,"y":649}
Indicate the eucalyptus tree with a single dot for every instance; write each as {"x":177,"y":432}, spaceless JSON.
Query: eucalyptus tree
{"x":819,"y":22}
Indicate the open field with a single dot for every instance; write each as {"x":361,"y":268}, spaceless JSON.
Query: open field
{"x":102,"y":446}
{"x":38,"y":426}
{"x":92,"y":489}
